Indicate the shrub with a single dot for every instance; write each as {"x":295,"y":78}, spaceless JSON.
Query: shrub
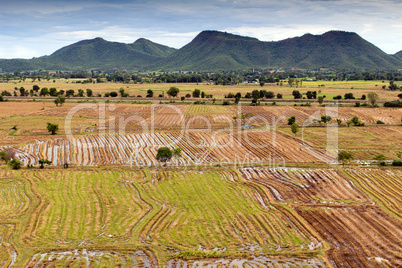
{"x":225,"y":102}
{"x":379,"y":122}
{"x":339,"y":97}
{"x":15,"y":163}
{"x":357,"y":104}
{"x":397,"y":163}
{"x":393,"y":104}
{"x":279,"y":96}
{"x":113,"y":94}
{"x":52,"y":128}
{"x":291,"y":120}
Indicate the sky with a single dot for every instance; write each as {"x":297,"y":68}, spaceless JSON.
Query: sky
{"x":33,"y":28}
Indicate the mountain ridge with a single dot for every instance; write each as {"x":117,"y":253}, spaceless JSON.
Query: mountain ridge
{"x":213,"y":50}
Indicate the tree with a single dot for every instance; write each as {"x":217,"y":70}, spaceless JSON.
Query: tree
{"x":35,"y":88}
{"x":400,"y":96}
{"x":44,"y":162}
{"x":270,"y":95}
{"x":202,"y":94}
{"x":15,"y":163}
{"x":344,"y":157}
{"x":89,"y":92}
{"x":196,"y":93}
{"x":392,"y":85}
{"x":80,"y":93}
{"x":296,"y":94}
{"x":262,"y":83}
{"x":291,"y":120}
{"x":150,"y":93}
{"x":326,"y":118}
{"x":69,"y":93}
{"x":164,"y":154}
{"x":349,"y":96}
{"x":255,"y":94}
{"x":44,"y":91}
{"x":295,"y":128}
{"x":5,"y":156}
{"x":373,"y":97}
{"x":320,"y":99}
{"x":279,"y":96}
{"x":53,"y":92}
{"x":173,"y":91}
{"x":1,"y":98}
{"x":113,"y":94}
{"x":59,"y":100}
{"x":52,"y":128}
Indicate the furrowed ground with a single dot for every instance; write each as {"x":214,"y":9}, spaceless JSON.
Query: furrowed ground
{"x":246,"y":192}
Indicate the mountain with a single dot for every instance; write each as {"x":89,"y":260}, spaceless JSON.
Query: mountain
{"x":218,"y":51}
{"x":94,"y":53}
{"x":212,"y":50}
{"x":398,"y":55}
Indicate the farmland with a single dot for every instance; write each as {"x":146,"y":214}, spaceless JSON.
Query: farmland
{"x":244,"y":192}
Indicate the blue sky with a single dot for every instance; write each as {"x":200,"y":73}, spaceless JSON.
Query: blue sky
{"x":32,"y":28}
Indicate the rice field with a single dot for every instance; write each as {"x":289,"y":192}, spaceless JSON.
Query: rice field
{"x":197,"y":148}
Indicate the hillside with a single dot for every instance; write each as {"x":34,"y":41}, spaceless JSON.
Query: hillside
{"x":218,"y":51}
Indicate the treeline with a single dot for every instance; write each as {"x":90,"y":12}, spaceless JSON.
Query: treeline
{"x":233,"y":78}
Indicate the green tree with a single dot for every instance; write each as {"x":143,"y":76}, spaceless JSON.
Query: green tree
{"x":150,"y":93}
{"x":44,"y":91}
{"x":53,"y":92}
{"x":52,"y":128}
{"x":326,"y":118}
{"x":173,"y":91}
{"x":59,"y":100}
{"x":35,"y":88}
{"x":295,"y":128}
{"x":196,"y":93}
{"x":5,"y":156}
{"x":80,"y":93}
{"x":291,"y":120}
{"x":296,"y":94}
{"x":373,"y":97}
{"x":344,"y":157}
{"x":89,"y":92}
{"x":15,"y":163}
{"x":320,"y":99}
{"x":44,"y":162}
{"x":164,"y":154}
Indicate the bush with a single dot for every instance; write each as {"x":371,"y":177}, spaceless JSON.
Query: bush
{"x":113,"y":94}
{"x":379,"y":122}
{"x":393,"y":104}
{"x":1,"y":98}
{"x":357,"y":104}
{"x":106,"y":94}
{"x":397,"y":163}
{"x":173,"y":91}
{"x":339,"y":97}
{"x":279,"y":96}
{"x":349,"y":96}
{"x":15,"y":163}
{"x":291,"y":120}
{"x":225,"y":102}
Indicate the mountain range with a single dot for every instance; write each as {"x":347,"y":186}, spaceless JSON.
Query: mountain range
{"x":217,"y":51}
